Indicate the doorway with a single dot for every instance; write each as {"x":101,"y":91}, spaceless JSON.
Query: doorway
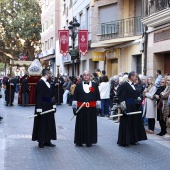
{"x":167,"y":63}
{"x":137,"y":63}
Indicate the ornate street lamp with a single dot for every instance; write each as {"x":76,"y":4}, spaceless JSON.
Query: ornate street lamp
{"x":73,"y":27}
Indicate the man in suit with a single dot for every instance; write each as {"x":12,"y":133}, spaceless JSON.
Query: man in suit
{"x":44,"y":129}
{"x":25,"y":91}
{"x":86,"y":120}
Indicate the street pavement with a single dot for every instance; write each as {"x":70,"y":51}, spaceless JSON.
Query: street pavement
{"x":18,"y":152}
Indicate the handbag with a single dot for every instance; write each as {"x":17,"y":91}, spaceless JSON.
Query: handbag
{"x":160,"y":105}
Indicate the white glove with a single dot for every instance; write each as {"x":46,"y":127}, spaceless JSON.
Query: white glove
{"x":74,"y":104}
{"x":98,"y":104}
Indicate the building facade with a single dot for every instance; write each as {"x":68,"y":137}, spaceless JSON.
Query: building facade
{"x":117,"y":31}
{"x":157,"y":21}
{"x":50,"y":20}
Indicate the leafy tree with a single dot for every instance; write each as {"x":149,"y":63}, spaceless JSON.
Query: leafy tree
{"x":20,"y":26}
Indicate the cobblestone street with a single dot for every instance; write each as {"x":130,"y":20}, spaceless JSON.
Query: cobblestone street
{"x":18,"y":152}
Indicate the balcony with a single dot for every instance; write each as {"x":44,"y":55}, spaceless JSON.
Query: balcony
{"x":120,"y":28}
{"x":157,"y":19}
{"x":157,"y":5}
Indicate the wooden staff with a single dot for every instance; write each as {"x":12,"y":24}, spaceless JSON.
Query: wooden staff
{"x":131,"y":113}
{"x":78,"y":110}
{"x":45,"y":112}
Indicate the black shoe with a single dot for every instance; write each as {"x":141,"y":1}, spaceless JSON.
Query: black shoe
{"x":78,"y":145}
{"x":161,"y":133}
{"x":7,"y":104}
{"x":11,"y":105}
{"x":1,"y":118}
{"x":135,"y":143}
{"x":89,"y":145}
{"x":123,"y":145}
{"x":40,"y":145}
{"x":49,"y":144}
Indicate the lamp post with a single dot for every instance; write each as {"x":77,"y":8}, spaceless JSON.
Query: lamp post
{"x":73,"y":33}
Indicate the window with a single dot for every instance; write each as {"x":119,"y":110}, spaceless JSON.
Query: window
{"x":46,"y":25}
{"x":88,"y":18}
{"x":52,"y":20}
{"x":42,"y":46}
{"x":64,"y":10}
{"x":42,"y":27}
{"x":46,"y":4}
{"x":71,"y":3}
{"x":51,"y":42}
{"x":81,"y":19}
{"x":106,"y":23}
{"x":46,"y":45}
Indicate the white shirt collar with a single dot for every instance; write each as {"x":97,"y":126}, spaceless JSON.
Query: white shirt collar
{"x":131,"y":84}
{"x":46,"y":82}
{"x":87,"y":86}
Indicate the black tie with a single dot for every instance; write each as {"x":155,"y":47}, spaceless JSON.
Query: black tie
{"x":86,"y":83}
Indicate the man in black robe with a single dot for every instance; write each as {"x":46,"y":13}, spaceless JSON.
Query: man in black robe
{"x":58,"y":90}
{"x":86,"y":120}
{"x":10,"y":90}
{"x":44,"y":129}
{"x":131,"y":129}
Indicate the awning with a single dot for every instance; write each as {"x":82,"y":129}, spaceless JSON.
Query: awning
{"x":20,"y":63}
{"x":113,"y":42}
{"x":47,"y":58}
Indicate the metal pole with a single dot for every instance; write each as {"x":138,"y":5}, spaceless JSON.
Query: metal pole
{"x":58,"y":102}
{"x":73,"y":67}
{"x":73,"y":41}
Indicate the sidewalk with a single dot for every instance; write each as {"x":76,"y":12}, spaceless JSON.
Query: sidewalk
{"x":18,"y":152}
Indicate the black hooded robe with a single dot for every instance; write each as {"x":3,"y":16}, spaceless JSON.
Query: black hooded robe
{"x":131,"y":128}
{"x":86,"y":120}
{"x":44,"y":128}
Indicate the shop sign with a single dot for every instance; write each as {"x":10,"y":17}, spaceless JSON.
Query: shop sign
{"x":112,"y":54}
{"x":98,"y":56}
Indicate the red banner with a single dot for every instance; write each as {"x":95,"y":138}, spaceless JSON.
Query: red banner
{"x":83,"y":41}
{"x":63,"y":41}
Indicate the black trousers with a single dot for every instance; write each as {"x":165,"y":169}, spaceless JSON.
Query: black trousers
{"x":162,"y":124}
{"x":151,"y":124}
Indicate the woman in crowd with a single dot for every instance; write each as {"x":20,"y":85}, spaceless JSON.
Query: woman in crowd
{"x":95,"y":78}
{"x":72,"y":88}
{"x":138,"y":86}
{"x":165,"y":108}
{"x":104,"y":89}
{"x":149,"y":109}
{"x":159,"y":110}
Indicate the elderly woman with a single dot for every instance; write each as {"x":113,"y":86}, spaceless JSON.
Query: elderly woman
{"x":104,"y":89}
{"x":159,"y":111}
{"x":165,"y":108}
{"x":149,"y":110}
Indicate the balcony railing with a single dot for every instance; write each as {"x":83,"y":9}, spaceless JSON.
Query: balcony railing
{"x":121,"y":28}
{"x":158,"y":5}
